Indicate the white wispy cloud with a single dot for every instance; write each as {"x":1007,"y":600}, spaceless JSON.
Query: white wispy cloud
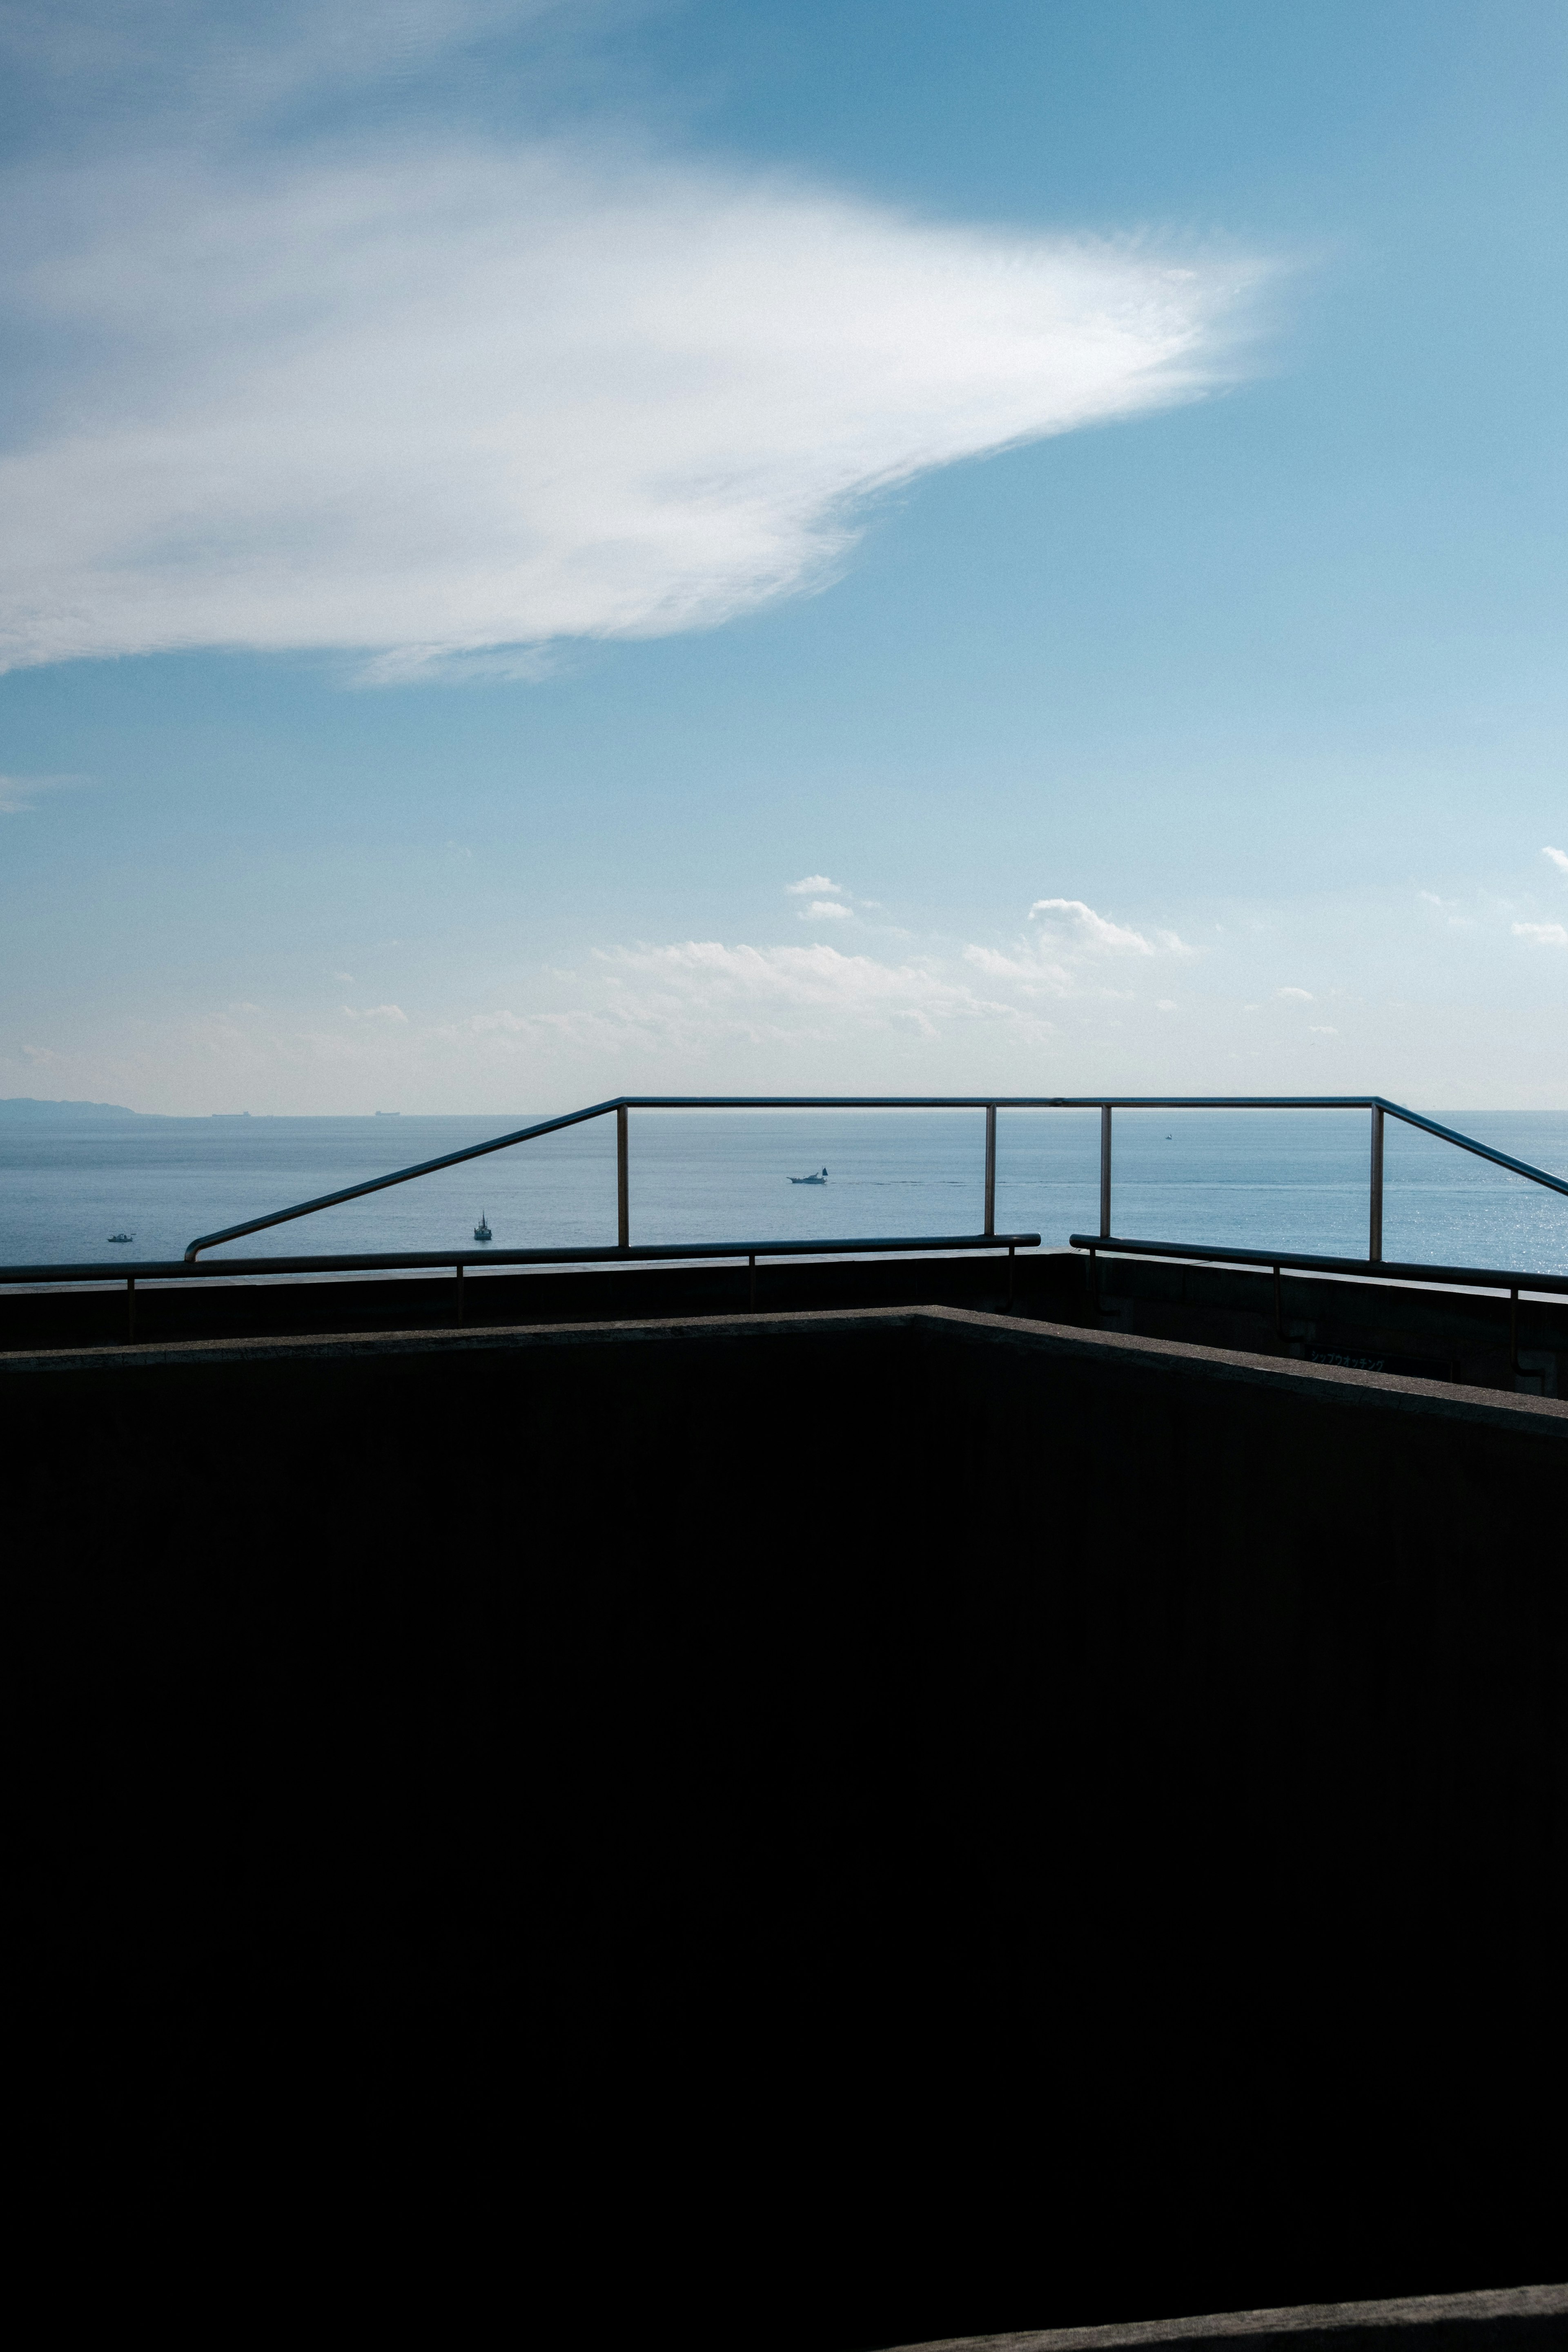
{"x":830,"y":911}
{"x":441,"y":399}
{"x":696,"y":998}
{"x":1542,"y":935}
{"x":1559,"y":858}
{"x":712,"y":1005}
{"x":375,"y":1013}
{"x":1296,"y":995}
{"x":814,"y":886}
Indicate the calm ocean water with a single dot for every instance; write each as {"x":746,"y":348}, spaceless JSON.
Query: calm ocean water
{"x":1292,"y":1179}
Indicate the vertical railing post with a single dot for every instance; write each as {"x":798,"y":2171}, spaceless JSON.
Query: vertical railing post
{"x":1375,"y":1217}
{"x":990,"y":1168}
{"x":1105,"y":1169}
{"x":623,"y":1196}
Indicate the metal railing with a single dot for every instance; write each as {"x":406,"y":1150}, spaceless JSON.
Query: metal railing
{"x":623,"y":1252}
{"x":988,"y":1238}
{"x":1381,"y":1109}
{"x":622,"y":1104}
{"x":1297,"y":1261}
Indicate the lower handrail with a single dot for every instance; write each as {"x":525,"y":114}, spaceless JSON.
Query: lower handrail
{"x":386,"y":1261}
{"x":1471,"y":1278}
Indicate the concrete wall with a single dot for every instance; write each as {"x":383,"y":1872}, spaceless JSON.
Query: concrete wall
{"x":1452,"y":1335}
{"x":1433,"y":1334}
{"x":955,"y":1824}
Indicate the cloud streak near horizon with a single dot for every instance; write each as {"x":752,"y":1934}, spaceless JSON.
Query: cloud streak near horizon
{"x":439,"y":400}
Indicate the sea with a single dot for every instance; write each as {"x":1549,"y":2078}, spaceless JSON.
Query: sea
{"x":70,"y":1178}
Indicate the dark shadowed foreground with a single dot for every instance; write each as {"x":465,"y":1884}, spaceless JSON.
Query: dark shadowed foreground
{"x":833,"y":1831}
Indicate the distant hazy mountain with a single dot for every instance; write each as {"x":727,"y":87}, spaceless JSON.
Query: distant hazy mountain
{"x":88,"y":1113}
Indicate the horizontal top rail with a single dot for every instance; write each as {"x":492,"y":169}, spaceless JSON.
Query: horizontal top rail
{"x":1466,"y":1278}
{"x":640,"y":1253}
{"x":874,"y":1102}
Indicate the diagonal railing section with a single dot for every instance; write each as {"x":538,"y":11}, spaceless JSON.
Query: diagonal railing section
{"x":398,"y":1176}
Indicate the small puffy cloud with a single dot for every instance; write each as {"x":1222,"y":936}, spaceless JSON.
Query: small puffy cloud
{"x":1075,"y":922}
{"x":344,"y":979}
{"x":375,"y":1013}
{"x":1559,"y":858}
{"x":1165,"y":1004}
{"x":1296,"y":995}
{"x":1542,"y":935}
{"x":1321,"y":1030}
{"x":1070,"y":949}
{"x":832,"y":910}
{"x":813,"y":885}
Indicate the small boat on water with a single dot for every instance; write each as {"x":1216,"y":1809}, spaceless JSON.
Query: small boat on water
{"x":121,"y":1237}
{"x":482,"y":1231}
{"x":821,"y":1179}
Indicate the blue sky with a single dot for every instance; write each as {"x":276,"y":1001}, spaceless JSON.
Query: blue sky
{"x":557,"y":550}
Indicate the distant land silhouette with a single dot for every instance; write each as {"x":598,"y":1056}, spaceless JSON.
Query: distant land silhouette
{"x":29,"y":1106}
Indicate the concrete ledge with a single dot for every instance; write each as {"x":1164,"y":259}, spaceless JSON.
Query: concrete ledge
{"x":1417,"y":2323}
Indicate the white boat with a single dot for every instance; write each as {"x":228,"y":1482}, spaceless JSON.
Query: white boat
{"x":821,"y":1179}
